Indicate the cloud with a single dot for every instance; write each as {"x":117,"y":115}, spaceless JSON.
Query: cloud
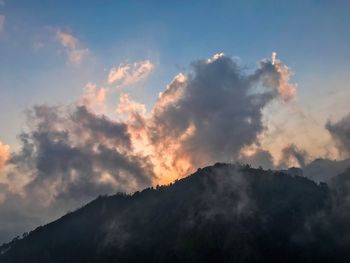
{"x":4,"y":155}
{"x":257,"y":157}
{"x":286,"y":89}
{"x":67,"y":40}
{"x":94,"y":98}
{"x":208,"y":115}
{"x":2,"y":23}
{"x":215,"y":112}
{"x":293,"y":156}
{"x":340,"y":131}
{"x":128,"y":74}
{"x":69,"y":155}
{"x":75,"y":155}
{"x":74,"y":50}
{"x":127,"y":105}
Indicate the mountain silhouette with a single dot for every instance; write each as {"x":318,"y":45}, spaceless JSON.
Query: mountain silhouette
{"x":221,"y":213}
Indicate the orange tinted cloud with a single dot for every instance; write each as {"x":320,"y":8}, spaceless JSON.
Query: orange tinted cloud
{"x":4,"y":155}
{"x":94,"y":98}
{"x":128,"y":74}
{"x":286,"y":89}
{"x":75,"y":52}
{"x":206,"y":116}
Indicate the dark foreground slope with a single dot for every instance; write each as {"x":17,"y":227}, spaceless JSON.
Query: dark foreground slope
{"x":223,"y":213}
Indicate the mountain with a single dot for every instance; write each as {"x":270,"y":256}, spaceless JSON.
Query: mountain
{"x":221,"y":213}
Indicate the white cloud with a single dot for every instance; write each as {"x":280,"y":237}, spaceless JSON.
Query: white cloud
{"x":131,"y":73}
{"x":75,"y":52}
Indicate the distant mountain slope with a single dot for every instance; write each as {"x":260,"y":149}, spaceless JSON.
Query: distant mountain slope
{"x":222,"y":213}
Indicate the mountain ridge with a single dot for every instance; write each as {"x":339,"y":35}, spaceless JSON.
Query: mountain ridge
{"x":220,"y":213}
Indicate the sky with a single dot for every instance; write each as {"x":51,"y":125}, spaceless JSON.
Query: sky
{"x":148,"y":91}
{"x":311,"y":36}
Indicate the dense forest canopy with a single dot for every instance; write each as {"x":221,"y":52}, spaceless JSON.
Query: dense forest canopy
{"x":221,"y":213}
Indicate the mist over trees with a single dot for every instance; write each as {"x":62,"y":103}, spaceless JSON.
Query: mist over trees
{"x":221,"y":213}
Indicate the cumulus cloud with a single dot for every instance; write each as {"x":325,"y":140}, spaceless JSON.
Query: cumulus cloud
{"x":2,"y":22}
{"x":130,"y":73}
{"x":74,"y":50}
{"x":67,"y":157}
{"x":72,"y":154}
{"x":340,"y":132}
{"x":209,"y":114}
{"x":213,"y":113}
